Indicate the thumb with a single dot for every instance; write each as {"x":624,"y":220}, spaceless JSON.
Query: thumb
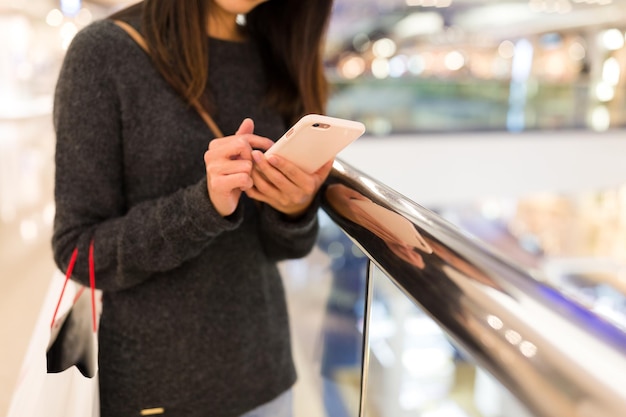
{"x":246,"y":127}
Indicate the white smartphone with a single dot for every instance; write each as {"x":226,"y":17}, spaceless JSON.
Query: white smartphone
{"x":316,"y":139}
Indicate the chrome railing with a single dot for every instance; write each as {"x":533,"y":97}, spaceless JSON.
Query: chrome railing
{"x":556,"y":357}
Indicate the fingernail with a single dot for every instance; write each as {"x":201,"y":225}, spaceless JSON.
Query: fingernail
{"x":256,"y":155}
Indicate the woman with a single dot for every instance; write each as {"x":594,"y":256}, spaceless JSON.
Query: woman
{"x":194,"y":319}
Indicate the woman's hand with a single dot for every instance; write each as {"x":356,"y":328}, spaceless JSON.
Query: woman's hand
{"x":282,"y":185}
{"x":229,"y":166}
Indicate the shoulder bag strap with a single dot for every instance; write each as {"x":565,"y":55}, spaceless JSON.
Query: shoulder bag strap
{"x":132,"y":32}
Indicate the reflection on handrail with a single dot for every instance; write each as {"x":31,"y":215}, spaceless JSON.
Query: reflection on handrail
{"x":558,"y":358}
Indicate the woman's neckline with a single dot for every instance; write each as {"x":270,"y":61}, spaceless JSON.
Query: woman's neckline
{"x":233,"y":42}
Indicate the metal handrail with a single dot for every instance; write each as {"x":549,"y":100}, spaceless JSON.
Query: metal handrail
{"x":558,"y":358}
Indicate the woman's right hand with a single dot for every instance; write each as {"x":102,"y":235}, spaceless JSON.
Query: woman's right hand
{"x":228,"y":164}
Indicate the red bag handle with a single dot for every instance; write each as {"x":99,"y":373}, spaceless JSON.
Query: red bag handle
{"x":92,"y":285}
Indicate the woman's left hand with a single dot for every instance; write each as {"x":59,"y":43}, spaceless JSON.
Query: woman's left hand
{"x":282,"y":185}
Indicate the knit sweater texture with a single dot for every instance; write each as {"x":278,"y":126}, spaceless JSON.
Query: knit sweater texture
{"x":194,"y":313}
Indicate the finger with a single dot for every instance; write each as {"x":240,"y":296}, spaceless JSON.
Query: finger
{"x":230,"y":167}
{"x":225,"y":184}
{"x":226,"y":163}
{"x":282,"y":173}
{"x":286,"y":167}
{"x":259,"y":142}
{"x":262,"y":185}
{"x":324,"y":171}
{"x":275,"y":179}
{"x":246,"y":130}
{"x":292,"y":171}
{"x":228,"y":142}
{"x":231,"y":147}
{"x":255,"y":194}
{"x":246,"y":127}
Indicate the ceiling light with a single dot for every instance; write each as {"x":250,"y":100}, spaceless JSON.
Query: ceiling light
{"x":416,"y":24}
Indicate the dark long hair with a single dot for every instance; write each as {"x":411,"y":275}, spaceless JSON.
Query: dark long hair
{"x":290,"y":34}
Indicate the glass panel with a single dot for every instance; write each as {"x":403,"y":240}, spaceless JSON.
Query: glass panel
{"x":326,"y":296}
{"x":416,"y":370}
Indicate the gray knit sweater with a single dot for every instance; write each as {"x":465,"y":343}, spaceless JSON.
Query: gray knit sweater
{"x":194,"y":317}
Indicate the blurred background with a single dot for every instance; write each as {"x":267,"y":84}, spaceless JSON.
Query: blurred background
{"x":504,"y":116}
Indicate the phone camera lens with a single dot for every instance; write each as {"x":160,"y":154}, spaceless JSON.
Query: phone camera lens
{"x":316,"y":125}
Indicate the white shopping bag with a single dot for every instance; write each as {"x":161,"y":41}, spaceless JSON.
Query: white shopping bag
{"x":64,"y":394}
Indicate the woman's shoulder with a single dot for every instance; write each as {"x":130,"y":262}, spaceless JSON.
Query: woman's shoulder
{"x":97,"y":32}
{"x":101,"y":38}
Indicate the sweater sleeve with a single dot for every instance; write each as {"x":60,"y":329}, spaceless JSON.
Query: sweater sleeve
{"x":131,"y":243}
{"x":285,"y":238}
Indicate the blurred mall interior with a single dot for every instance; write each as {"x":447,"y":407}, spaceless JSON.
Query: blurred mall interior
{"x":505,"y":117}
